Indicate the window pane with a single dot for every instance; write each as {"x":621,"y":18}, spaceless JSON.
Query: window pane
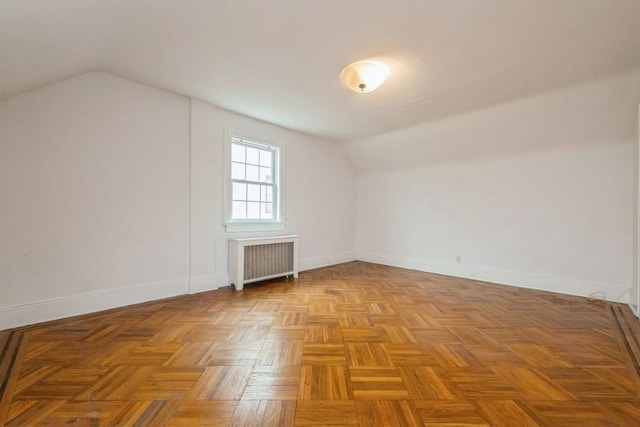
{"x":265,"y":174}
{"x":239,"y":210}
{"x":265,"y":158}
{"x":253,"y":210}
{"x":253,"y":193}
{"x":266,"y":211}
{"x":253,"y":156}
{"x":253,"y":181}
{"x":239,"y":191}
{"x":237,"y":171}
{"x":252,"y":173}
{"x":237,"y":153}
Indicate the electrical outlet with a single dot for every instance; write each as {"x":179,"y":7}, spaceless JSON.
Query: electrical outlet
{"x":459,"y":259}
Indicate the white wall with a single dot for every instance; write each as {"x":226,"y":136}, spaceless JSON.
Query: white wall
{"x":94,"y":186}
{"x":535,"y":193}
{"x":112,"y":193}
{"x":204,"y":197}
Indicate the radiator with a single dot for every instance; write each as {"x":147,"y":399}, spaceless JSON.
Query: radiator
{"x":255,"y":259}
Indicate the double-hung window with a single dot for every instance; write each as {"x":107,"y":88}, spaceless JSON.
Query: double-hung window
{"x":254,"y":193}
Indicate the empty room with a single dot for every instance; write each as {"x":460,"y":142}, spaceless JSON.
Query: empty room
{"x":329,"y":213}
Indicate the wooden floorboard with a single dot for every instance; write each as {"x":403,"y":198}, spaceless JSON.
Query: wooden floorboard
{"x":356,"y":344}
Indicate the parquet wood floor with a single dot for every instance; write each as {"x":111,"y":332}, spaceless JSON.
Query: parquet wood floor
{"x":356,"y":344}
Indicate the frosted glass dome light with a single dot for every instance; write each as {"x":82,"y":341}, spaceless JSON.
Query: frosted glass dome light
{"x":364,"y":76}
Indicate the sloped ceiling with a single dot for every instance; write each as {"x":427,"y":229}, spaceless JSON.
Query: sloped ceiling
{"x":279,"y":60}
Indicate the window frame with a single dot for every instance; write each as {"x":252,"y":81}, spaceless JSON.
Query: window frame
{"x":240,"y":225}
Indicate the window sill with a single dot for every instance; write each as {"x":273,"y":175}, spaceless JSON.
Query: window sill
{"x":238,"y":227}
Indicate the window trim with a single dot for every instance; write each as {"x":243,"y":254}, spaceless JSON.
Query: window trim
{"x":240,"y":225}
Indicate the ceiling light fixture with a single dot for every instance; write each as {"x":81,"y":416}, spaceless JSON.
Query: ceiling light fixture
{"x":364,"y":76}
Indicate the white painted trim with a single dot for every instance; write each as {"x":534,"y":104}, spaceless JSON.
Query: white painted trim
{"x":326,"y":260}
{"x":203,"y":283}
{"x":191,"y":186}
{"x":493,"y":275}
{"x":58,"y":308}
{"x":238,"y":227}
{"x":634,"y":295}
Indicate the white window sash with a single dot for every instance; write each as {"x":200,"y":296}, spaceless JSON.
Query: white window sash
{"x":258,"y":224}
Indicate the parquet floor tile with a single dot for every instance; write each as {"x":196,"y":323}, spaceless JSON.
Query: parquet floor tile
{"x":495,"y":355}
{"x":286,"y":333}
{"x":395,"y":334}
{"x":324,"y":354}
{"x":367,"y":354}
{"x":411,"y":354}
{"x":388,"y":413}
{"x":570,"y":414}
{"x":366,"y":334}
{"x":273,"y":383}
{"x":355,"y":344}
{"x":481,"y":384}
{"x":333,"y":413}
{"x":454,"y":355}
{"x":505,"y":413}
{"x":323,"y":333}
{"x":585,"y":385}
{"x":532,"y":385}
{"x":428,"y":383}
{"x":324,"y":382}
{"x":282,"y":353}
{"x":220,"y":383}
{"x":203,"y":413}
{"x":168,"y":384}
{"x":377,"y":383}
{"x":264,"y":413}
{"x":449,"y":413}
{"x":620,"y":413}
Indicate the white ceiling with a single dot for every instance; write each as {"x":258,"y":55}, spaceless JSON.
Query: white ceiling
{"x":279,"y":60}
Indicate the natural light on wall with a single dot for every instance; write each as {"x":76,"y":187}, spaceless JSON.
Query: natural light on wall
{"x":365,"y":76}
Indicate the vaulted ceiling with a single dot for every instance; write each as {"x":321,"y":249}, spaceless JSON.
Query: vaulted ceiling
{"x":279,"y":60}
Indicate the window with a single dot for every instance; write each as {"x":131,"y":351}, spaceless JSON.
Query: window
{"x":253,"y":191}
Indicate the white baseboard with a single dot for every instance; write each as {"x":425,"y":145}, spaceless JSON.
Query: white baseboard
{"x":493,"y":275}
{"x":58,"y":308}
{"x":203,"y":283}
{"x":326,"y":260}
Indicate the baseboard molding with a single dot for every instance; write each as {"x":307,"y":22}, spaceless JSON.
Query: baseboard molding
{"x":326,"y":260}
{"x":203,"y":283}
{"x":58,"y":308}
{"x":493,"y":275}
{"x":634,"y":309}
